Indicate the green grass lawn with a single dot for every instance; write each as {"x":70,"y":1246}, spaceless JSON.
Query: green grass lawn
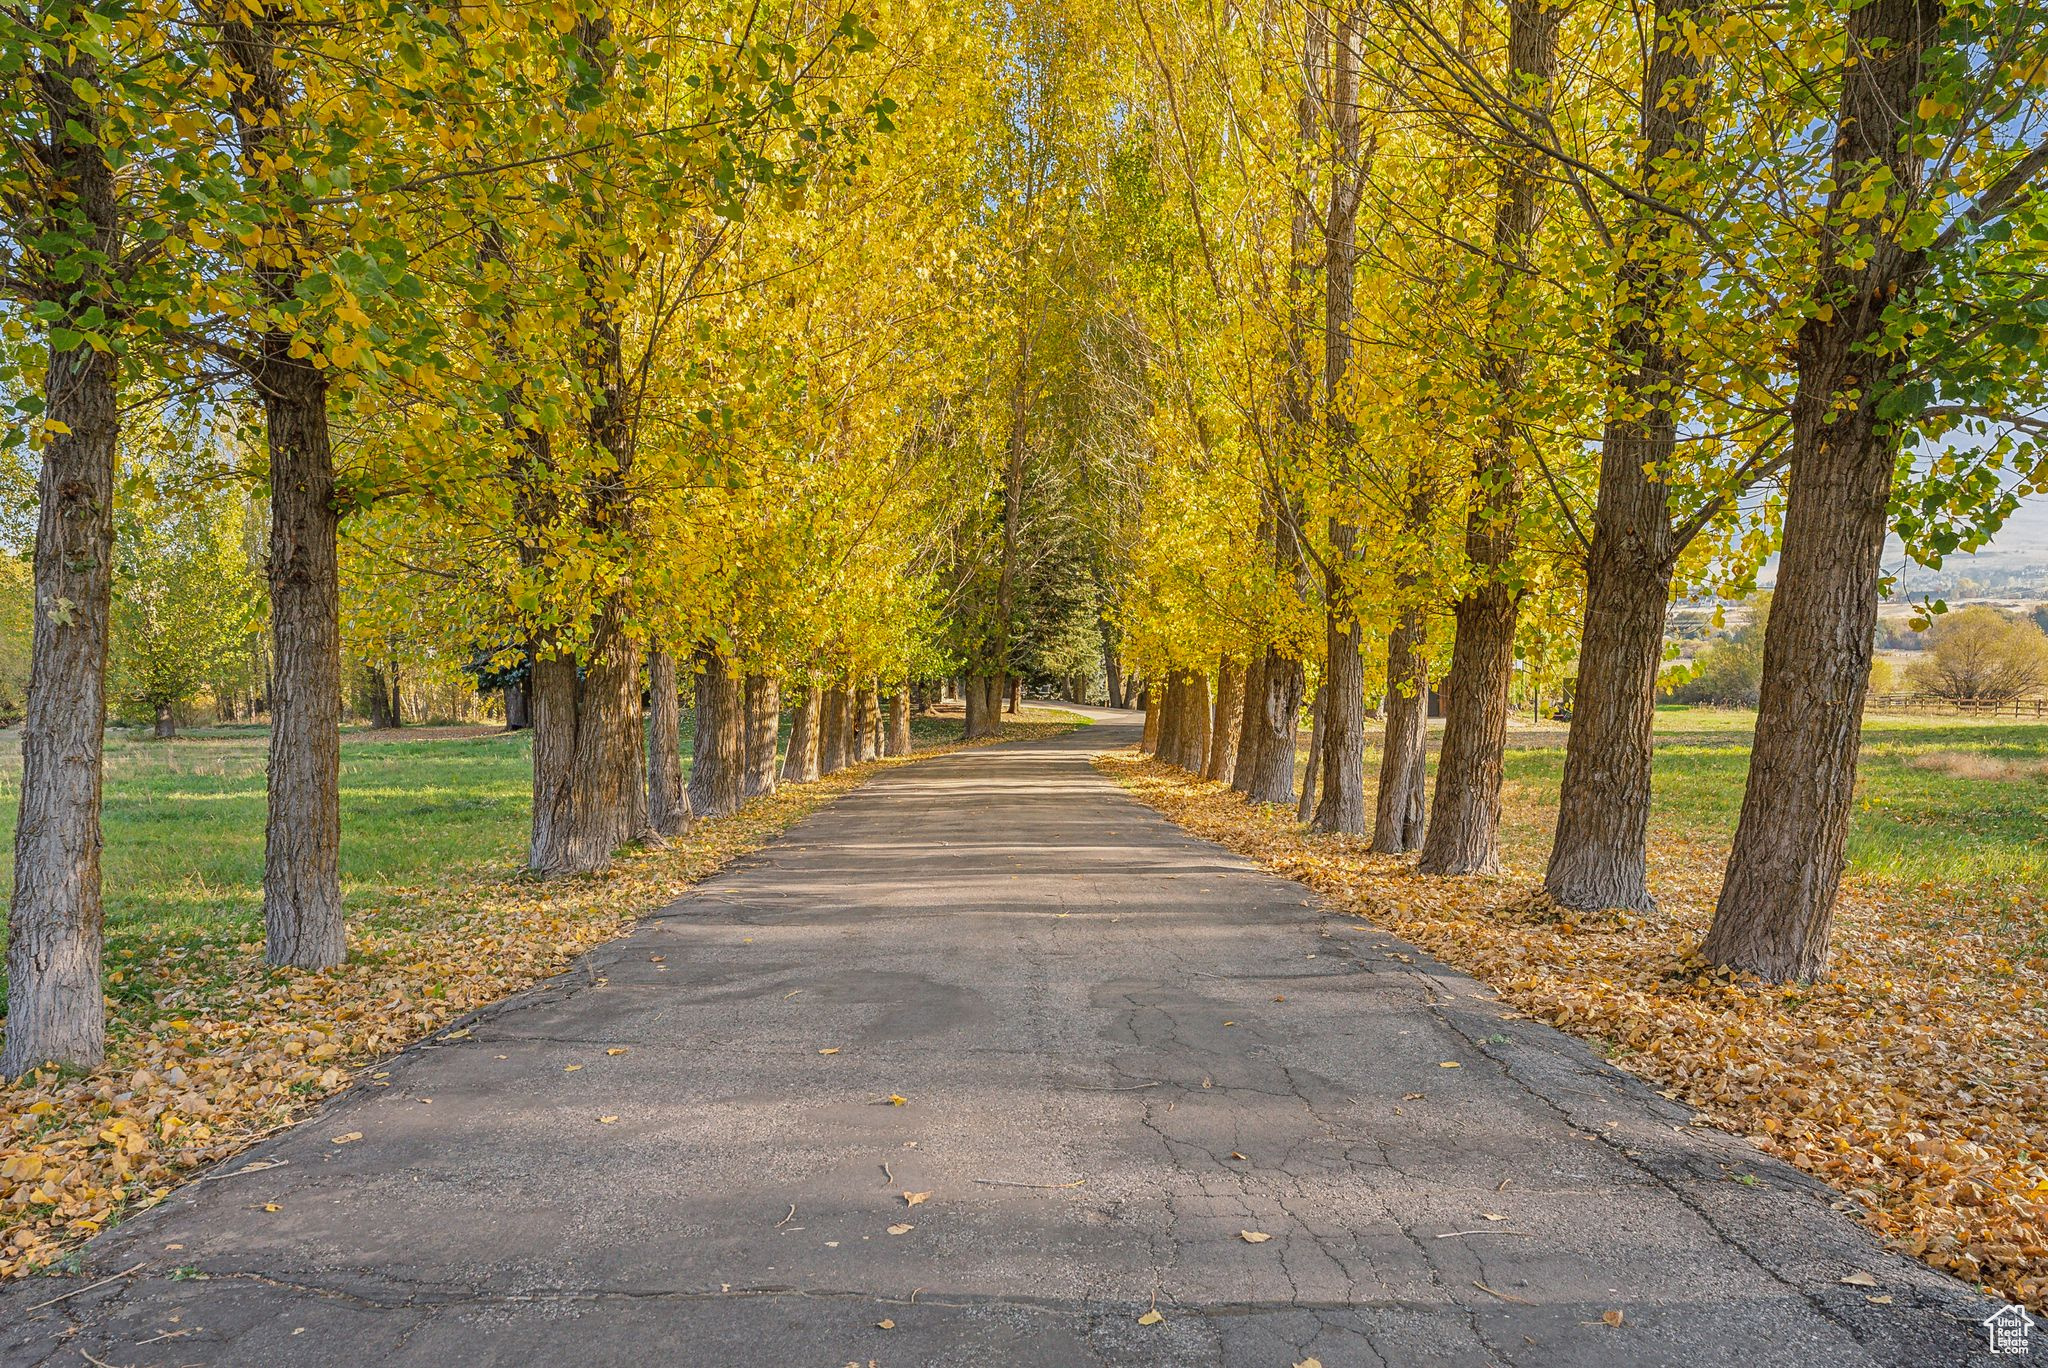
{"x":1957,"y":803}
{"x":183,"y":822}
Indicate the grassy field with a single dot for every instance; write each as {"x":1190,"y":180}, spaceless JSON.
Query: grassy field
{"x":183,"y":823}
{"x":1941,"y":802}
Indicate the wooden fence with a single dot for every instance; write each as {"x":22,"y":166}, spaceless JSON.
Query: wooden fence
{"x":2017,"y":707}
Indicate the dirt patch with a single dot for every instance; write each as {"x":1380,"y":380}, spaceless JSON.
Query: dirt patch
{"x":1976,"y":765}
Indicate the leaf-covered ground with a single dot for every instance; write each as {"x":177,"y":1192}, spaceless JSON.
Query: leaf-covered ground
{"x":1915,"y":1079}
{"x":209,"y":1050}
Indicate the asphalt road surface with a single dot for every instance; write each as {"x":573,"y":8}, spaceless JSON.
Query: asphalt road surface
{"x":1117,"y":1071}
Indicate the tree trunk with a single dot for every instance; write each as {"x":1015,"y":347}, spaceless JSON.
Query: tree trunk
{"x":1249,"y":733}
{"x":984,"y":706}
{"x":1016,"y":693}
{"x":975,"y":701}
{"x":1777,"y":903}
{"x":899,"y":722}
{"x":1398,"y":809}
{"x":55,"y":1011}
{"x":1598,"y":858}
{"x":1318,"y":714}
{"x":763,"y":728}
{"x":552,"y":688}
{"x":668,"y":803}
{"x":719,"y":750}
{"x":377,"y":693}
{"x":1152,"y":702}
{"x":1464,"y":820}
{"x":516,"y":715}
{"x":302,"y":915}
{"x":1338,"y":743}
{"x":1340,"y":733}
{"x":1224,"y":726}
{"x":1277,"y":719}
{"x":1166,"y":743}
{"x":1112,"y":665}
{"x":607,"y":781}
{"x":832,"y":729}
{"x":800,"y":764}
{"x":878,"y":722}
{"x":166,"y":722}
{"x":1194,"y":722}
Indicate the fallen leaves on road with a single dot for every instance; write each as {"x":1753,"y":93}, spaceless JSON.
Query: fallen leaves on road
{"x":348,"y":1139}
{"x":1151,"y":1318}
{"x":901,"y":1228}
{"x":1612,"y":1319}
{"x":220,"y":1050}
{"x":1910,"y":1079}
{"x":1253,"y":1236}
{"x":911,"y":1199}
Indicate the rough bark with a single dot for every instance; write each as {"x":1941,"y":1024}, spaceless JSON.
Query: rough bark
{"x":1166,"y":743}
{"x":1246,"y":763}
{"x":1188,"y":703}
{"x":763,"y":732}
{"x":516,"y":716}
{"x":718,"y":755}
{"x":1464,"y":819}
{"x":1150,"y":700}
{"x":668,"y":803}
{"x":1340,"y":706}
{"x":302,"y":914}
{"x":1340,"y":735}
{"x":899,"y":722}
{"x":608,"y":795}
{"x":302,"y":911}
{"x":1777,"y":903}
{"x":984,"y":704}
{"x":552,"y":689}
{"x":832,"y":729}
{"x":1318,"y":714}
{"x":1277,"y":719}
{"x":1224,"y":725}
{"x":1599,"y":858}
{"x":800,"y":763}
{"x":870,"y":723}
{"x":1398,"y":807}
{"x":377,"y":694}
{"x":55,"y":1012}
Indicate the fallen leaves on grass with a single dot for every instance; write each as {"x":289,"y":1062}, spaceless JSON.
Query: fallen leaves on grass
{"x":223,"y":1050}
{"x":1910,"y":1079}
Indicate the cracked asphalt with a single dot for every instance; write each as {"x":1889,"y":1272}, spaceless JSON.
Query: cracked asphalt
{"x":1117,"y":1048}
